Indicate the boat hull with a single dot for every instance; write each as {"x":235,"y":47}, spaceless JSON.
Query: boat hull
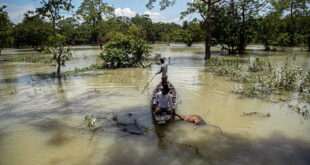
{"x":167,"y":116}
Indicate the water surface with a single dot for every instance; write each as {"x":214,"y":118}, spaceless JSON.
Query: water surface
{"x":41,"y":118}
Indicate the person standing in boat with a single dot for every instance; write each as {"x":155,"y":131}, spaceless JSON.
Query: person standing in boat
{"x":163,"y":70}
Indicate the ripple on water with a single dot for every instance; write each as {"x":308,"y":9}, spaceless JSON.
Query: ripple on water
{"x":42,"y":122}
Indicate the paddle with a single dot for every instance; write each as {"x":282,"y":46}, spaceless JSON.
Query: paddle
{"x":148,"y":83}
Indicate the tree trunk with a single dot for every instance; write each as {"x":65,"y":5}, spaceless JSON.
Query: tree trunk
{"x":267,"y":45}
{"x":208,"y":31}
{"x":0,"y":51}
{"x":241,"y":47}
{"x":58,"y":69}
{"x":58,"y":73}
{"x":267,"y":48}
{"x":292,"y":25}
{"x":207,"y":46}
{"x":232,"y":8}
{"x":54,"y":25}
{"x":308,"y":43}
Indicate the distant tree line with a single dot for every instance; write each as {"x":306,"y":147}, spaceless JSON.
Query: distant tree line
{"x":233,"y":24}
{"x":93,"y":27}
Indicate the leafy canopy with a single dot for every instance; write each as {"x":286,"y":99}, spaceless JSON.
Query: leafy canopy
{"x":5,"y":28}
{"x":125,"y":51}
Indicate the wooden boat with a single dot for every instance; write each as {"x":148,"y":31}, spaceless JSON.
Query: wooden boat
{"x":163,"y":117}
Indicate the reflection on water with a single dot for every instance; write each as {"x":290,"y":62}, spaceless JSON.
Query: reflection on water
{"x":41,"y":118}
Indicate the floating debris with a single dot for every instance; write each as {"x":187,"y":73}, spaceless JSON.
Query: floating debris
{"x":257,"y":114}
{"x":126,"y":123}
{"x":301,"y":108}
{"x":91,"y":121}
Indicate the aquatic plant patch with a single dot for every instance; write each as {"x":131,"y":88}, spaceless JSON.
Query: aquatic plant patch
{"x":258,"y":78}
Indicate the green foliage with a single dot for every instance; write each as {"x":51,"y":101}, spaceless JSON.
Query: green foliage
{"x":92,"y":12}
{"x":262,"y":79}
{"x":6,"y":38}
{"x":231,"y":24}
{"x":83,"y":34}
{"x":235,"y":24}
{"x":137,"y":31}
{"x":163,"y":3}
{"x":187,"y":38}
{"x":57,"y":40}
{"x":32,"y":31}
{"x":283,"y":39}
{"x":145,"y":24}
{"x":69,"y":28}
{"x":60,"y":53}
{"x":256,"y":65}
{"x":125,"y":51}
{"x":53,"y":10}
{"x":191,"y":32}
{"x":269,"y":29}
{"x":139,"y":49}
{"x":195,"y":30}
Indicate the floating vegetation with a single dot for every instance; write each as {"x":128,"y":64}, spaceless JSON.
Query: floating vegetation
{"x":126,"y":123}
{"x":257,"y":65}
{"x":90,"y":121}
{"x":258,"y":78}
{"x":301,"y":108}
{"x":85,"y":69}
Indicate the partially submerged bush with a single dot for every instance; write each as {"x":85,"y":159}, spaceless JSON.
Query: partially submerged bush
{"x":125,"y":51}
{"x":262,"y":79}
{"x":60,"y":53}
{"x":257,"y":65}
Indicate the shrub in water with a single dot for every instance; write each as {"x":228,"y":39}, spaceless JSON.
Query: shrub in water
{"x":125,"y":51}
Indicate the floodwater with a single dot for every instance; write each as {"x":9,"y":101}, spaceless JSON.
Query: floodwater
{"x":42,"y":118}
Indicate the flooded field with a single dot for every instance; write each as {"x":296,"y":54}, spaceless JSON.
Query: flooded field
{"x":42,"y":118}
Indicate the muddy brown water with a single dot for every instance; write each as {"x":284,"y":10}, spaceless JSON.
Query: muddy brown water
{"x":42,"y":119}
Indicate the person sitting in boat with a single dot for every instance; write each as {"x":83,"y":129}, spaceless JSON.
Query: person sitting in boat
{"x":163,"y":100}
{"x":164,"y":83}
{"x":163,"y":69}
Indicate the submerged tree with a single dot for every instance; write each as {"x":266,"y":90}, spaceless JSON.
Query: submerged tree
{"x":60,"y":53}
{"x":291,"y":11}
{"x":248,"y":11}
{"x":5,"y":29}
{"x":191,"y":32}
{"x":206,"y":9}
{"x":268,"y":30}
{"x":125,"y":51}
{"x":227,"y":28}
{"x":53,"y":10}
{"x":226,"y":22}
